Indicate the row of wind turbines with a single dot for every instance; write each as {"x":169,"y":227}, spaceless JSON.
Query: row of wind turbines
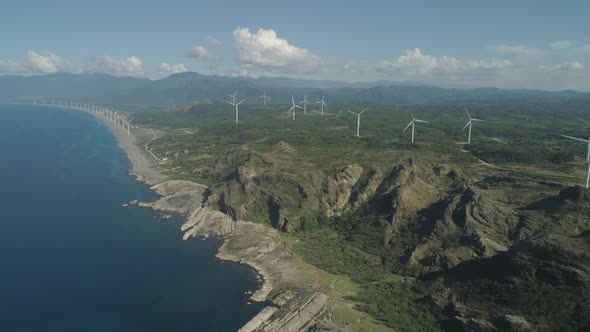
{"x":322,"y":103}
{"x":105,"y":112}
{"x":266,"y":98}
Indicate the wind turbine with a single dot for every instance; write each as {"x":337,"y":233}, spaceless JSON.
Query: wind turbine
{"x":236,"y":105}
{"x":128,"y":132}
{"x":264,"y":98}
{"x":587,"y":155}
{"x":233,"y":96}
{"x":294,"y":107}
{"x":413,"y":124}
{"x":322,"y":103}
{"x":358,"y":120}
{"x":305,"y":103}
{"x":469,"y":124}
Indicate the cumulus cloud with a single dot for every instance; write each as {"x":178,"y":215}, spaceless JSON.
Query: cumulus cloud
{"x":211,"y":41}
{"x":560,"y":44}
{"x":48,"y":62}
{"x":173,"y":69}
{"x":38,"y":63}
{"x":566,"y":66}
{"x":199,"y":52}
{"x":12,"y":67}
{"x":414,"y":63}
{"x":518,"y":50}
{"x":265,"y":50}
{"x":132,"y":66}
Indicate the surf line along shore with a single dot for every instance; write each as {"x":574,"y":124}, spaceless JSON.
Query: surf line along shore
{"x":296,"y":294}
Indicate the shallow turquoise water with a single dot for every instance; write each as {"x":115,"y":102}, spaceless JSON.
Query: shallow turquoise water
{"x":73,"y":259}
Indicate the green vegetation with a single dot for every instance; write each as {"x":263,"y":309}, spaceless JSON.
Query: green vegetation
{"x":273,"y":170}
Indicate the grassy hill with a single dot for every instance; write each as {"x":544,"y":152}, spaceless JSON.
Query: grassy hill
{"x":440,"y":235}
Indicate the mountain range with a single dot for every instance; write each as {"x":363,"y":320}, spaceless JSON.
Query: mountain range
{"x":189,"y":87}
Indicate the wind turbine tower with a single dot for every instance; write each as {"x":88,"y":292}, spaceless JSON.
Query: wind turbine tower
{"x":358,"y":121}
{"x":294,"y":107}
{"x":469,"y":125}
{"x":264,"y":98}
{"x":305,"y":103}
{"x":322,"y":104}
{"x":413,"y":124}
{"x":587,"y":155}
{"x":236,"y":105}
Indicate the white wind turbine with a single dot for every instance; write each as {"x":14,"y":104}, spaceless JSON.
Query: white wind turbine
{"x":469,"y":125}
{"x":236,"y":105}
{"x":587,"y":155}
{"x":305,"y":103}
{"x":233,"y":97}
{"x":294,"y":107}
{"x":264,"y":98}
{"x":358,"y":121}
{"x":322,"y":103}
{"x":413,"y":124}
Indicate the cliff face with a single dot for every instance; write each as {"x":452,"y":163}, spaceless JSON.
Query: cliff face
{"x":440,"y":225}
{"x":447,"y":220}
{"x":256,"y":190}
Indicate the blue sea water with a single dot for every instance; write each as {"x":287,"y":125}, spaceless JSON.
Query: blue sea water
{"x":73,"y":259}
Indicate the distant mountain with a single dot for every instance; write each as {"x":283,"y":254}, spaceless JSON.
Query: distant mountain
{"x":189,"y":87}
{"x":74,"y":86}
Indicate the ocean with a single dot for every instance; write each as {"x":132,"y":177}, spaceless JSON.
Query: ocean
{"x":73,"y":259}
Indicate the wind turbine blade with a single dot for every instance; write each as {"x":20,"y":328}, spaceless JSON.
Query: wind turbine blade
{"x":586,"y":122}
{"x":363,"y":111}
{"x":229,"y":102}
{"x":466,"y":111}
{"x":408,"y":126}
{"x":576,"y":139}
{"x":412,"y":114}
{"x":292,"y":108}
{"x":352,"y":112}
{"x":293,"y":99}
{"x":243,"y":100}
{"x":468,"y":122}
{"x":421,"y":121}
{"x":478,"y":120}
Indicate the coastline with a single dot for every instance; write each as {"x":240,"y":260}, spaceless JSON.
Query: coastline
{"x":145,"y":170}
{"x":300,"y":295}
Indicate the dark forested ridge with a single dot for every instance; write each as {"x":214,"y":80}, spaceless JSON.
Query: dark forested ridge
{"x":190,"y":87}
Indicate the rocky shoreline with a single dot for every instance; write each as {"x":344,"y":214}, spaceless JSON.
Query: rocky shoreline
{"x":298,"y":300}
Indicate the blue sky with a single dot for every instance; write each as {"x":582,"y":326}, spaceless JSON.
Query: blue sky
{"x":512,"y":44}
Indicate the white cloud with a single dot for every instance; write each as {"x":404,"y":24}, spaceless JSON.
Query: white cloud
{"x":47,"y":63}
{"x":519,"y":50}
{"x":566,"y":66}
{"x":12,"y":67}
{"x":264,"y":50}
{"x":211,"y":41}
{"x":132,"y":66}
{"x":173,"y":69}
{"x":560,"y":44}
{"x":199,"y":52}
{"x":413,"y":63}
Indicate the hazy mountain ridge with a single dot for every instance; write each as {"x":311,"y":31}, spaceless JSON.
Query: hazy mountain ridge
{"x":188,"y":87}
